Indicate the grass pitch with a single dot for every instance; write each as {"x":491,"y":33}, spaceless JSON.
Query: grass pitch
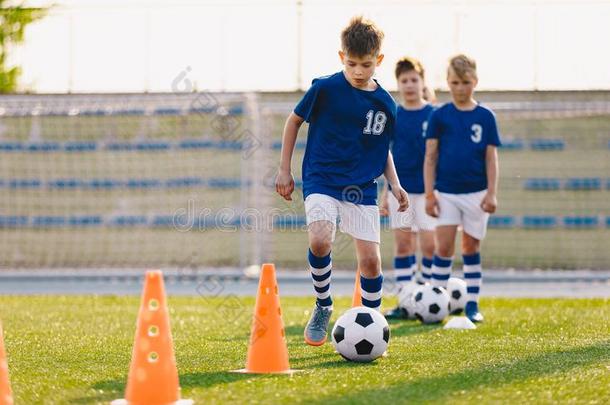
{"x":76,"y":350}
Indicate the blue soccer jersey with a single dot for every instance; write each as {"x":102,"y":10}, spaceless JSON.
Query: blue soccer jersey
{"x":409,"y":147}
{"x":463,"y":137}
{"x":348,"y":139}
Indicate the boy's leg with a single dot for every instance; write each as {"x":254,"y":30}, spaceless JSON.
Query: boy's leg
{"x":426,"y":243}
{"x":405,"y":261}
{"x":450,"y":216}
{"x":475,"y":228}
{"x":441,"y":267}
{"x":405,"y":242}
{"x":405,"y":264}
{"x":362,"y":223}
{"x":321,"y":214}
{"x":425,"y":225}
{"x":371,"y":279}
{"x":473,"y":274}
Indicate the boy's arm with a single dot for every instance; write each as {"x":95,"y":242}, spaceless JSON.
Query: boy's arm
{"x":490,"y":201}
{"x":430,"y":162}
{"x":284,"y":182}
{"x":392,"y":179}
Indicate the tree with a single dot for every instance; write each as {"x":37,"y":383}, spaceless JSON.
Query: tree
{"x":14,"y":18}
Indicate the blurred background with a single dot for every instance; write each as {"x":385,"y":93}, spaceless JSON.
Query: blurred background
{"x":147,"y":134}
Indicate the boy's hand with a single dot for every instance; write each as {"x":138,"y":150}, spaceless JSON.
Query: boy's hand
{"x":489,"y":203}
{"x":384,"y":210}
{"x":432,"y":208}
{"x":402,"y":197}
{"x":284,"y":184}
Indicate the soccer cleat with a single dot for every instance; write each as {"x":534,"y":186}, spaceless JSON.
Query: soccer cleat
{"x":396,"y":313}
{"x":317,"y":327}
{"x":472,"y":312}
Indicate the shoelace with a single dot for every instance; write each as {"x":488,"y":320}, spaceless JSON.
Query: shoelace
{"x":318,"y":318}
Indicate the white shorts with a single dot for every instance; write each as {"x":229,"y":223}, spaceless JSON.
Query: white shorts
{"x":464,"y":209}
{"x":357,"y":220}
{"x":414,"y":217}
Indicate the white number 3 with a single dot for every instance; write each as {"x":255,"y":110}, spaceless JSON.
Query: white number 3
{"x":477,"y":133}
{"x":375,"y":122}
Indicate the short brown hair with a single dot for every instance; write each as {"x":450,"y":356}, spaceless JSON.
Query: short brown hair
{"x":408,"y":64}
{"x":361,"y":38}
{"x":462,"y":64}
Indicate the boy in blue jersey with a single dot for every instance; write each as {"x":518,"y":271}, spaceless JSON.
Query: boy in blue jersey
{"x":408,"y":150}
{"x":351,"y":121}
{"x":462,"y":164}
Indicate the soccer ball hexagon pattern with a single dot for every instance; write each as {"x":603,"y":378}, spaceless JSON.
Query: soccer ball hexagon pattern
{"x":456,"y":288}
{"x":361,"y":334}
{"x":431,"y":304}
{"x":405,"y":300}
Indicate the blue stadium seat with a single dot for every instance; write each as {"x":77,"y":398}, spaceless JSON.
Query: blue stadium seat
{"x":184,"y":182}
{"x":513,"y":144}
{"x":222,"y":182}
{"x":195,"y":144}
{"x":202,"y":110}
{"x":93,"y":113}
{"x":608,"y":222}
{"x":130,"y":112}
{"x":539,"y":221}
{"x":104,"y":184}
{"x":502,"y":221}
{"x":163,"y":221}
{"x":585,"y":183}
{"x":120,"y":146}
{"x":143,"y":183}
{"x":290,"y":221}
{"x":229,"y":145}
{"x":25,"y":183}
{"x":236,"y":110}
{"x":13,"y":221}
{"x":542,"y":184}
{"x":167,"y":111}
{"x":11,"y":146}
{"x":580,"y":222}
{"x":547,"y":144}
{"x":128,"y":220}
{"x":43,"y":147}
{"x":80,"y":146}
{"x":152,"y":146}
{"x":48,"y":221}
{"x":65,"y":183}
{"x":85,"y":220}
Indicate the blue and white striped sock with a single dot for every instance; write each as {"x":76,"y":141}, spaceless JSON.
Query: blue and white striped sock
{"x":371,"y":289}
{"x":441,"y":271}
{"x":473,"y":275}
{"x":403,"y":269}
{"x":426,"y":269}
{"x":320,"y":268}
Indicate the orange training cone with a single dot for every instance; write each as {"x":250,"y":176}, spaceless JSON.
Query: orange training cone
{"x":357,"y":297}
{"x":153,"y":376}
{"x":267,"y":350}
{"x":6,"y":395}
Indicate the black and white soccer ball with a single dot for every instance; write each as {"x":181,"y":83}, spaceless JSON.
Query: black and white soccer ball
{"x":456,"y":288}
{"x":405,"y":300}
{"x":361,"y":334}
{"x":431,"y":304}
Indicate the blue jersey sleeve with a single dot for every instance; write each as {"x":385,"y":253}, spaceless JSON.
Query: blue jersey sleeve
{"x":493,"y":137}
{"x":306,"y":107}
{"x":433,"y":129}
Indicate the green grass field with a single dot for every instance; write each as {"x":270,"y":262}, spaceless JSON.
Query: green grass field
{"x":76,"y":350}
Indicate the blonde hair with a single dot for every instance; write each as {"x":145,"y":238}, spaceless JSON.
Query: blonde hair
{"x":461,"y":65}
{"x":361,"y":38}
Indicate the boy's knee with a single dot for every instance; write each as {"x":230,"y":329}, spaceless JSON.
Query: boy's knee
{"x":370,"y":266}
{"x":444,"y":250}
{"x":320,"y":247}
